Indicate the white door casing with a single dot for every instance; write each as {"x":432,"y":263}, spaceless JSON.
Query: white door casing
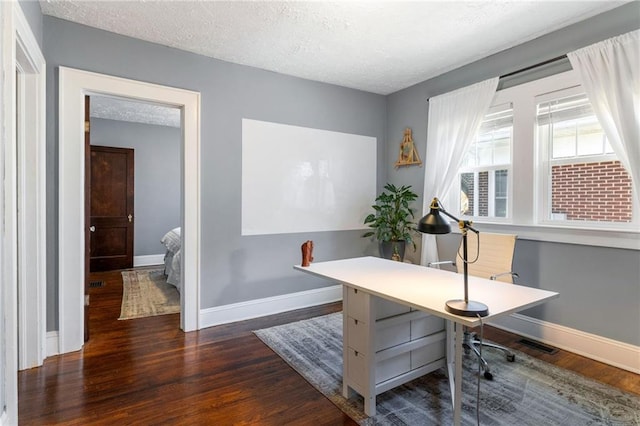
{"x":31,"y":183}
{"x":22,"y":199}
{"x":73,"y":86}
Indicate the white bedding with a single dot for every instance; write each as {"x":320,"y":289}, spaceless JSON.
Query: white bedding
{"x":173,"y":243}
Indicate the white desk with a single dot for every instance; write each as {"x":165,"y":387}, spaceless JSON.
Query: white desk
{"x":374,"y":359}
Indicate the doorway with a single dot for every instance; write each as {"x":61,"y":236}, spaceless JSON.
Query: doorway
{"x":154,"y":133}
{"x":73,"y":85}
{"x":134,"y":195}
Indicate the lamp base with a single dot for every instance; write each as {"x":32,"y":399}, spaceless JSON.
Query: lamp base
{"x":467,"y":309}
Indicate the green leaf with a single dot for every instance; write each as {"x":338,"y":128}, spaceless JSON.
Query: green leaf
{"x":393,"y":215}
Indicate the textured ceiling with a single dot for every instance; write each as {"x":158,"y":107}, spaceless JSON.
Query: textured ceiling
{"x":376,"y":46}
{"x":134,"y":111}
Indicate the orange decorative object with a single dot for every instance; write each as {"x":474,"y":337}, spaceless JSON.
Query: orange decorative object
{"x":307,"y":253}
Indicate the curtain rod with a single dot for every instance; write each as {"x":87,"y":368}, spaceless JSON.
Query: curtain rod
{"x":540,"y":64}
{"x":529,"y":68}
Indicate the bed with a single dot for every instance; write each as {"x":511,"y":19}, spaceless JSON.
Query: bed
{"x":172,"y":242}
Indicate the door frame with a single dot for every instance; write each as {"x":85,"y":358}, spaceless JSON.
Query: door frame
{"x":23,"y":203}
{"x":31,"y":184}
{"x":73,"y":85}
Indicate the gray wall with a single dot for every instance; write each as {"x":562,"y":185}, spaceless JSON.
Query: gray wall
{"x":31,"y":10}
{"x":156,"y":175}
{"x":600,"y":290}
{"x":599,"y":287}
{"x":233,"y":268}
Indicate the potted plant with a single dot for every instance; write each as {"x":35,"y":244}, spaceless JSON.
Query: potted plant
{"x":393,"y":221}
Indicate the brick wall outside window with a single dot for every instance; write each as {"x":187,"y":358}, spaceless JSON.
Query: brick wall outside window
{"x":592,"y":192}
{"x":483,"y":194}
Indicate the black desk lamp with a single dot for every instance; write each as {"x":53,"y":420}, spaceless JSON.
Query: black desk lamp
{"x":433,"y":223}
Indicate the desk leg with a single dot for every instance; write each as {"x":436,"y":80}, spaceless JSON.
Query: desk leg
{"x":457,"y":403}
{"x":454,"y":368}
{"x":450,"y":351}
{"x":345,"y":333}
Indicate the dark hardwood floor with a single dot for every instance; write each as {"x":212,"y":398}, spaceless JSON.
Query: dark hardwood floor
{"x":146,"y":371}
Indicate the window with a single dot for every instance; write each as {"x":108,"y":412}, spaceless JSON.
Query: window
{"x":584,"y":181}
{"x":484,"y":176}
{"x":541,"y":166}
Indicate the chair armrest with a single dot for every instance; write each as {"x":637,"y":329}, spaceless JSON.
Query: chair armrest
{"x":513,"y":274}
{"x":444,"y":262}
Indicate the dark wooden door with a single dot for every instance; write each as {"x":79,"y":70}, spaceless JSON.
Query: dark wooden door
{"x":111,"y":208}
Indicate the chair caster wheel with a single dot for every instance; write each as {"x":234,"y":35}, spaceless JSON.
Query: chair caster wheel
{"x":511,"y":357}
{"x":488,"y":375}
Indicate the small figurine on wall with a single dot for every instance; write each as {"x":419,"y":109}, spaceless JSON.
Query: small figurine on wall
{"x":307,"y":253}
{"x":408,"y":153}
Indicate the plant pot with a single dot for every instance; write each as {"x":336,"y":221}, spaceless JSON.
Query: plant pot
{"x":389,"y":248}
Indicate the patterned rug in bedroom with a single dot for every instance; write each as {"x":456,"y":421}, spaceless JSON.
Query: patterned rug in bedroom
{"x":146,"y":293}
{"x":525,"y":392}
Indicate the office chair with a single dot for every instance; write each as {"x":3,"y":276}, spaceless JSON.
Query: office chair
{"x":494,"y":262}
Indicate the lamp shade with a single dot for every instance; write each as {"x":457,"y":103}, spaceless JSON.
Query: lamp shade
{"x":434,"y":223}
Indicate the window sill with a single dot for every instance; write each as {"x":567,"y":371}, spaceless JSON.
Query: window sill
{"x":557,"y":234}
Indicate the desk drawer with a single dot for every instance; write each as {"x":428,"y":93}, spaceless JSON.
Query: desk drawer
{"x":393,"y":367}
{"x":427,"y":354}
{"x":356,"y":370}
{"x":357,"y":304}
{"x":357,"y":332}
{"x":386,"y":308}
{"x":388,"y":337}
{"x":426,"y":326}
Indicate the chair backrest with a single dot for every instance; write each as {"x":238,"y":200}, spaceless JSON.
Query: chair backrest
{"x":495,"y":256}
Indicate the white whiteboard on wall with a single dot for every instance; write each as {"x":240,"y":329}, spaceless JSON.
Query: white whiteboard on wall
{"x":298,"y":179}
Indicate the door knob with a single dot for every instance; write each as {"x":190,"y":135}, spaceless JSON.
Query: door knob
{"x":92,"y":228}
{"x":130,"y":218}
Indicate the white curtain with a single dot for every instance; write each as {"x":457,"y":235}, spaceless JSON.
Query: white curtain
{"x":453,"y":121}
{"x":610,"y":75}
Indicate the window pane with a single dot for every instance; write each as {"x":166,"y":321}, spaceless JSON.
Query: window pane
{"x":466,"y":194}
{"x":502,"y":151}
{"x":469,"y":159}
{"x":593,"y":190}
{"x":564,"y":109}
{"x":501,"y":208}
{"x":574,"y":127}
{"x":490,"y":150}
{"x":596,"y":192}
{"x":590,"y":137}
{"x":500,"y":191}
{"x":563,"y":139}
{"x":501,"y":183}
{"x":485,"y":157}
{"x":607,"y":147}
{"x":493,"y":141}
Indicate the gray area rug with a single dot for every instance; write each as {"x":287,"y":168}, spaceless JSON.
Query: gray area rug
{"x":525,"y":392}
{"x":145,"y":293}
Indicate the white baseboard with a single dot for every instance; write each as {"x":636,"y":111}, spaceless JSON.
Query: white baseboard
{"x":148,"y":260}
{"x":268,"y":306}
{"x":612,"y":352}
{"x":53,"y":347}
